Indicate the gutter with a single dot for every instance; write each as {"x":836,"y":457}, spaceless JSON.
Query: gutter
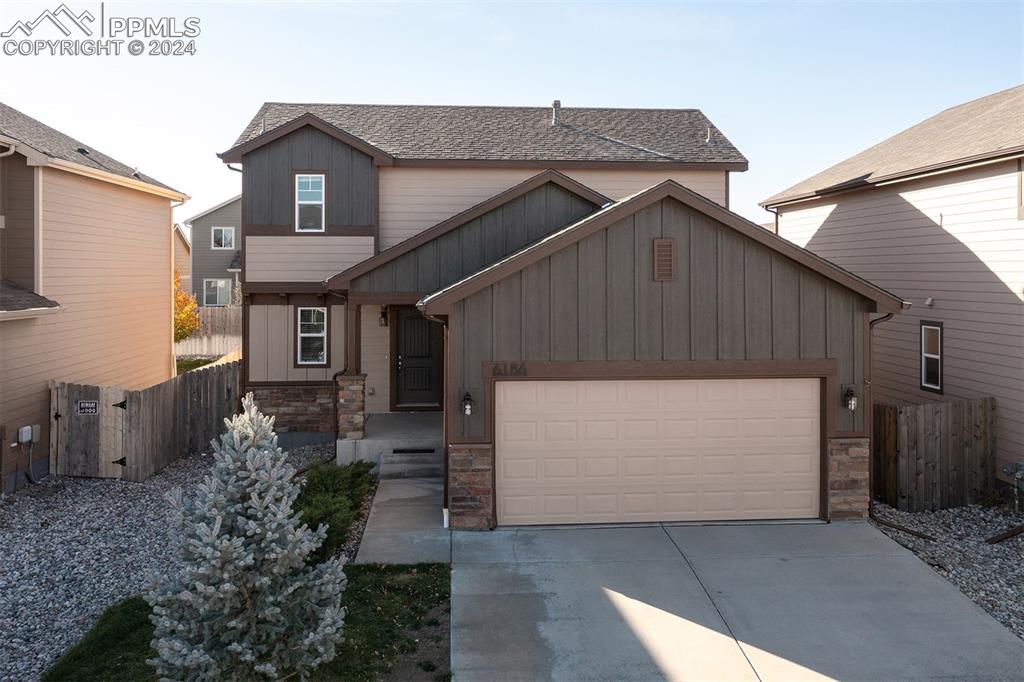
{"x":37,"y":158}
{"x":6,"y":315}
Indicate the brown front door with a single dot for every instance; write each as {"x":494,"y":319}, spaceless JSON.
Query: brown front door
{"x":419,"y":358}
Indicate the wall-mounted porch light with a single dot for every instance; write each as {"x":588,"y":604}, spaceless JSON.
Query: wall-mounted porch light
{"x":383,"y":320}
{"x":467,"y":404}
{"x":850,"y":398}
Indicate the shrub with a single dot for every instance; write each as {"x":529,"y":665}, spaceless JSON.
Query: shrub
{"x":186,"y":311}
{"x":331,"y":496}
{"x":246,"y":605}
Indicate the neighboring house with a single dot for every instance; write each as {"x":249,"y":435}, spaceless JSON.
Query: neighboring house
{"x":935,"y":214}
{"x":606,"y":340}
{"x":216,"y":252}
{"x":86,"y":263}
{"x":183,"y":258}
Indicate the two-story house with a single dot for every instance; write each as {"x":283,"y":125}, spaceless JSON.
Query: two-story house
{"x":935,"y":214}
{"x":86,"y":259}
{"x":605,"y":339}
{"x":217,"y":252}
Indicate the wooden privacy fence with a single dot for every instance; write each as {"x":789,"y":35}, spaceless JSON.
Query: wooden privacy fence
{"x":220,"y":332}
{"x":110,"y":432}
{"x":936,"y":455}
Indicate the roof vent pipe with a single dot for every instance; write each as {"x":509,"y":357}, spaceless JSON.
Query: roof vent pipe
{"x":556,"y":110}
{"x":708,"y":138}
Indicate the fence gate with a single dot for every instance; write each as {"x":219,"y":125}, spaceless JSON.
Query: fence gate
{"x":87,"y":430}
{"x":108,"y":432}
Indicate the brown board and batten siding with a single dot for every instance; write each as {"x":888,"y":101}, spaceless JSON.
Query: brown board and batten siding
{"x":596,"y":299}
{"x":478,"y":243}
{"x":958,"y":239}
{"x":273,"y":250}
{"x":17,"y":239}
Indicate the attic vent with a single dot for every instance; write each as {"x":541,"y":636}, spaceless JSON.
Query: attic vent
{"x":82,"y":150}
{"x":664,"y":259}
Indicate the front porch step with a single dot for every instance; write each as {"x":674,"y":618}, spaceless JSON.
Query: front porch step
{"x":396,"y":457}
{"x":412,"y":462}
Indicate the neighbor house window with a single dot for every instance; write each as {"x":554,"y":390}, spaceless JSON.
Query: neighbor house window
{"x":222,"y":238}
{"x":312,"y":329}
{"x":309,"y":203}
{"x":216,"y":291}
{"x":931,"y":356}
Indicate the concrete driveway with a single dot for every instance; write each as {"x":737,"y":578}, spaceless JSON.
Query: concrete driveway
{"x":768,"y":602}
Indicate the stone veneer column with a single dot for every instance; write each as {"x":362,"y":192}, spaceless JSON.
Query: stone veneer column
{"x":849,"y":460}
{"x":470,"y":485}
{"x":351,"y":406}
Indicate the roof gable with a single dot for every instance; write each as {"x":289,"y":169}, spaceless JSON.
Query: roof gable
{"x":235,"y":154}
{"x":441,"y":301}
{"x":504,"y":223}
{"x":213,"y":209}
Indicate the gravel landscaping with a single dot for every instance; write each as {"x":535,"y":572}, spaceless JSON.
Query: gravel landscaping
{"x":70,"y":547}
{"x":991,"y":575}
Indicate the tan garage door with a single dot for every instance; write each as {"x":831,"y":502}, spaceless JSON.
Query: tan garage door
{"x":657,"y":450}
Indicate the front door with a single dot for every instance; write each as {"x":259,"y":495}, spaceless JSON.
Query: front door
{"x":419,"y":359}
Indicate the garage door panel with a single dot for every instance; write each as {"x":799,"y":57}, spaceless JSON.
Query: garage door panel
{"x":658,"y":450}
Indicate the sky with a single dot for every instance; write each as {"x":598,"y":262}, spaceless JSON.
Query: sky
{"x":795,"y":86}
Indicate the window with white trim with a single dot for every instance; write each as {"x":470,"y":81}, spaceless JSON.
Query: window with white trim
{"x":309,"y":203}
{"x":312,"y":336}
{"x":222,"y":238}
{"x":216,"y":291}
{"x":931,"y":356}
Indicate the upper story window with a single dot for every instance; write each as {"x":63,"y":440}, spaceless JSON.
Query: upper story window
{"x":931,"y":356}
{"x":222,"y":238}
{"x":312,"y":336}
{"x":309,"y":203}
{"x":216,"y":291}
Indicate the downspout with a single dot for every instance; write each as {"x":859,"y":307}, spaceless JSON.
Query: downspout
{"x":871,"y":492}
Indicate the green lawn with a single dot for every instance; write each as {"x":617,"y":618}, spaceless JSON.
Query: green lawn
{"x":189,"y":364}
{"x":397,"y":625}
{"x":397,"y":619}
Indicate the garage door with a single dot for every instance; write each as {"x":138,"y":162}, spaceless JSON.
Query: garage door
{"x":656,"y":450}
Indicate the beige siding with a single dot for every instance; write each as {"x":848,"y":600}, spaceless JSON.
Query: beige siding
{"x":376,"y":354}
{"x":107,"y":260}
{"x":272,"y":351}
{"x":183,"y":261}
{"x":953,"y":237}
{"x":302,"y":259}
{"x":413,"y":199}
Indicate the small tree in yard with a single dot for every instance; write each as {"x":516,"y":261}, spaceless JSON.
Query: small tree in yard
{"x":186,"y":310}
{"x":246,"y":605}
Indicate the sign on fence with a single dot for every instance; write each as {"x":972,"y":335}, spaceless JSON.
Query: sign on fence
{"x":934,"y":456}
{"x":108,"y":432}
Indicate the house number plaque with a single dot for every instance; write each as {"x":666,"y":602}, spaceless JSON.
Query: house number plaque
{"x":509,"y":369}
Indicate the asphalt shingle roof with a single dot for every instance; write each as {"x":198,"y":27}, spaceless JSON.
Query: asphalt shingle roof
{"x":14,"y":297}
{"x":57,"y":145}
{"x":517,"y":133}
{"x":978,"y":128}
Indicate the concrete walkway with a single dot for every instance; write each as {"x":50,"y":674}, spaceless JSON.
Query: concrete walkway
{"x":752,"y":602}
{"x":406,"y":525}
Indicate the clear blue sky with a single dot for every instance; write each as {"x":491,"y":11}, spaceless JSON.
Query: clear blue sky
{"x":796,"y":87}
